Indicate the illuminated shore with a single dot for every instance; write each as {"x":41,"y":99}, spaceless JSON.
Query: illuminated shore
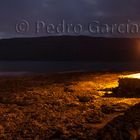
{"x":59,"y":106}
{"x":131,"y":81}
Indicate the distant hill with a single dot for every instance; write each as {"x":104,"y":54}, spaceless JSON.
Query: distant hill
{"x":69,"y":48}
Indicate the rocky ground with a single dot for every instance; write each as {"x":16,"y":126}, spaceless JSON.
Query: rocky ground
{"x":123,"y":127}
{"x":71,"y":106}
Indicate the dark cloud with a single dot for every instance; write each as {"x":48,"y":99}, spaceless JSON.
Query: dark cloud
{"x":71,"y":10}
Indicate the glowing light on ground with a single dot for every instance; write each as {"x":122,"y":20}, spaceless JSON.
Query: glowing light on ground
{"x":135,"y":76}
{"x":131,"y":81}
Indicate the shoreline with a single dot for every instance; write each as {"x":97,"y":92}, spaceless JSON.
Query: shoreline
{"x":62,"y":106}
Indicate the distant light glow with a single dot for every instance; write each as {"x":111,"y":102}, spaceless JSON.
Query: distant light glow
{"x":135,"y":76}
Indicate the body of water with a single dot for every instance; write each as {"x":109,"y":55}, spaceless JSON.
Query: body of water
{"x":22,"y":67}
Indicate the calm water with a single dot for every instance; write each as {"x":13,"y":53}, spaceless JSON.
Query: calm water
{"x":21,"y":67}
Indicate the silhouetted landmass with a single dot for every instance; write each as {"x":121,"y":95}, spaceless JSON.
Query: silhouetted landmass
{"x":72,"y":48}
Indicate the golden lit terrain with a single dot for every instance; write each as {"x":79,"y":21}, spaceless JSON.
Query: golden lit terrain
{"x":60,"y":106}
{"x":134,"y":76}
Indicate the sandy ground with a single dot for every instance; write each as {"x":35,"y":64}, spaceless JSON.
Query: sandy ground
{"x":70,"y":106}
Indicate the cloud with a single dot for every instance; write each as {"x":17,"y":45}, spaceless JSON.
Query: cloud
{"x":82,"y":11}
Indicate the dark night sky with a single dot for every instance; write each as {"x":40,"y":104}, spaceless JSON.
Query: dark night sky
{"x":73,"y":11}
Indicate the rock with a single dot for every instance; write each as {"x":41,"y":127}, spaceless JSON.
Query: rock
{"x":120,"y":107}
{"x":57,"y":134}
{"x":68,"y":89}
{"x":84,"y":98}
{"x":124,"y":127}
{"x":107,"y":109}
{"x":95,"y":119}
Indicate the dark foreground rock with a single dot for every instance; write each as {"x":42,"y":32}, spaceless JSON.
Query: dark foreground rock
{"x":125,"y":127}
